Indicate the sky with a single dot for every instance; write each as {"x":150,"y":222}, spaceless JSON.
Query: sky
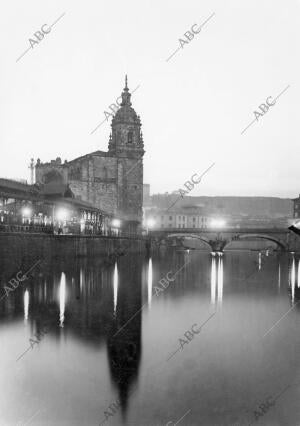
{"x":193,"y":107}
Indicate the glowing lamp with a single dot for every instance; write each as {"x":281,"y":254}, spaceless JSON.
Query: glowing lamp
{"x":116,"y":223}
{"x":61,"y":214}
{"x":150,"y":223}
{"x":26,"y":211}
{"x":217,"y":223}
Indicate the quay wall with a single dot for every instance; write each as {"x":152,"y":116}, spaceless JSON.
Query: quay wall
{"x":19,"y":246}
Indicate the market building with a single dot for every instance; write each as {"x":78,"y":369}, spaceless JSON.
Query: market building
{"x":49,"y":208}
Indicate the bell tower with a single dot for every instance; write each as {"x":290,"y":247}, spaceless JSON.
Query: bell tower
{"x":126,"y":138}
{"x":126,"y":144}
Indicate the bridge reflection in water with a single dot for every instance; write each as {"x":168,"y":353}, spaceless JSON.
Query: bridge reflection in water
{"x":111,"y":336}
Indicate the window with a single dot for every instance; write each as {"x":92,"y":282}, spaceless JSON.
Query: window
{"x":170,"y":217}
{"x":179,"y":217}
{"x":194,"y":226}
{"x":179,"y":226}
{"x":183,"y":225}
{"x":130,"y":137}
{"x":194,"y":219}
{"x":183,"y":218}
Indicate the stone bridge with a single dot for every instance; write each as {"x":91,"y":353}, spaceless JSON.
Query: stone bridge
{"x":217,"y":239}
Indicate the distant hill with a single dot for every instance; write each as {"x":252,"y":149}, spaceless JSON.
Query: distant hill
{"x":272,"y":207}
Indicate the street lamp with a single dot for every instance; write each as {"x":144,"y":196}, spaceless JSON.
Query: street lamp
{"x":150,"y":222}
{"x":27,"y":212}
{"x":116,"y":223}
{"x":217,"y":223}
{"x":62,"y":214}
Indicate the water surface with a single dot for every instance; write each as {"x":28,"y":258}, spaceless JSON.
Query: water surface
{"x":113,"y":334}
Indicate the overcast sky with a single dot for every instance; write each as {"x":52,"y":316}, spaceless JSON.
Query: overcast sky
{"x":193,"y":107}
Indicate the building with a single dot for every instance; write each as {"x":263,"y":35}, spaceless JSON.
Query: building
{"x":111,"y":181}
{"x":296,"y":208}
{"x":188,"y":216}
{"x":49,"y":208}
{"x":146,"y":195}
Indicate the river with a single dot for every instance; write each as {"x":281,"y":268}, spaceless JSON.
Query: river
{"x":181,"y":337}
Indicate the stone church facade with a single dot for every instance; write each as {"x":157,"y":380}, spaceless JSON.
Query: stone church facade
{"x":112,"y":181}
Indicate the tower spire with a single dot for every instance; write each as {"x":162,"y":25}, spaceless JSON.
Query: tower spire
{"x":125,"y":94}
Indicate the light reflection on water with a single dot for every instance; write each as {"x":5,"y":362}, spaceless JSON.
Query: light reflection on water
{"x":298,"y":274}
{"x":216,"y":281}
{"x":220,"y":279}
{"x":62,"y":299}
{"x":111,"y":343}
{"x":26,"y":304}
{"x":116,"y":282}
{"x":150,"y":283}
{"x":213,"y":280}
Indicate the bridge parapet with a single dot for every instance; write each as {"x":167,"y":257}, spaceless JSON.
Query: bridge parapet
{"x":217,"y":239}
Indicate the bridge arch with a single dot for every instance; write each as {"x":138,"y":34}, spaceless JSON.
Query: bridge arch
{"x":196,"y":236}
{"x":281,"y":244}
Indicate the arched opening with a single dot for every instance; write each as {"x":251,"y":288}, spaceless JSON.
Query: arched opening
{"x":241,"y":237}
{"x":52,"y":176}
{"x":192,"y":236}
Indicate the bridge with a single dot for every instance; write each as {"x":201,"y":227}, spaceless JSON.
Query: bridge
{"x":218,"y":239}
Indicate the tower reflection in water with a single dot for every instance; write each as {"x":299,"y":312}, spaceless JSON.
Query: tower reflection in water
{"x":99,"y":305}
{"x":124,"y":340}
{"x":216,"y":283}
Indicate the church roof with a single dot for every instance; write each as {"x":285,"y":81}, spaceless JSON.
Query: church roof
{"x":91,"y":154}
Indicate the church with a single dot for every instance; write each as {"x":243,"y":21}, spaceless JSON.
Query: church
{"x":110,"y":180}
